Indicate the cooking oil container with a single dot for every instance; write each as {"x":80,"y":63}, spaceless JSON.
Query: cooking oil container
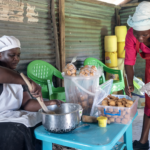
{"x":112,"y":76}
{"x":110,"y":43}
{"x":111,"y":59}
{"x":121,"y":51}
{"x":120,"y":32}
{"x":121,"y":65}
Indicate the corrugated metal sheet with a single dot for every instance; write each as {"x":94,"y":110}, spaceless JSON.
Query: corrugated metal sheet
{"x":86,"y":24}
{"x":30,"y":21}
{"x":140,"y":63}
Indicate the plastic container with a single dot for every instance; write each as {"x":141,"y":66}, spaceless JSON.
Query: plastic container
{"x":120,"y":49}
{"x":111,"y":59}
{"x":112,"y":76}
{"x":81,"y":90}
{"x":120,"y":32}
{"x":141,"y":102}
{"x":102,"y":121}
{"x":122,"y":115}
{"x":111,"y":43}
{"x":121,"y":65}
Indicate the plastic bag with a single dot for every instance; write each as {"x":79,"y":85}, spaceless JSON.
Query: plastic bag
{"x":146,"y":89}
{"x":89,"y":71}
{"x":70,"y":70}
{"x":103,"y":91}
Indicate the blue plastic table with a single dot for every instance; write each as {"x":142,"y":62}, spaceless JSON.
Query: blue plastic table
{"x":90,"y":137}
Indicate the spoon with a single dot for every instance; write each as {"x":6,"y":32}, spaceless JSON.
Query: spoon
{"x":38,"y":98}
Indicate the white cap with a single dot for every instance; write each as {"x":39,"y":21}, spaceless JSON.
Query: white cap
{"x":140,"y":20}
{"x":9,"y":42}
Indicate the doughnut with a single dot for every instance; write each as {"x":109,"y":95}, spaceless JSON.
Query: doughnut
{"x":112,"y":119}
{"x":120,"y":106}
{"x":124,"y":121}
{"x":129,"y":102}
{"x":110,"y":110}
{"x":70,"y":67}
{"x":73,"y":71}
{"x":128,"y":105}
{"x":84,"y":104}
{"x":73,"y":75}
{"x":68,"y":73}
{"x":91,"y":101}
{"x":118,"y":120}
{"x":112,"y":103}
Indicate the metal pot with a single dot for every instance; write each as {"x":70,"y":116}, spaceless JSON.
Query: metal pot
{"x":66,"y":119}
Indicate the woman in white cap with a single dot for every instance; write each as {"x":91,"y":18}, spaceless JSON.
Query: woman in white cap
{"x":18,"y":111}
{"x":138,"y":37}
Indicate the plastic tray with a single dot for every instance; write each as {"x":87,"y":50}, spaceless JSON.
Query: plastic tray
{"x":121,"y":115}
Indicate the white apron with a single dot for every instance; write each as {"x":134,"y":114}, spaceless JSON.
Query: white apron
{"x":10,"y":101}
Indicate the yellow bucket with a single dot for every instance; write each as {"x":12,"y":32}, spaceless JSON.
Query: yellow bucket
{"x":120,"y":32}
{"x":110,"y":43}
{"x":121,"y":65}
{"x":112,"y":76}
{"x":102,"y":121}
{"x":111,"y":59}
{"x":121,"y":51}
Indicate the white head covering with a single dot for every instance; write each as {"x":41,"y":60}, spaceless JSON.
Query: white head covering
{"x":141,"y":18}
{"x":9,"y":42}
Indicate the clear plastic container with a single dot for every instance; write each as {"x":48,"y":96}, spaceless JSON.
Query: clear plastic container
{"x":81,"y":90}
{"x":116,"y":114}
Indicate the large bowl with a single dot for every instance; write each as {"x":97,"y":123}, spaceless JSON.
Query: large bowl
{"x":66,"y":119}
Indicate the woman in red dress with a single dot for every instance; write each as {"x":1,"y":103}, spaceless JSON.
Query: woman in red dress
{"x":138,"y":37}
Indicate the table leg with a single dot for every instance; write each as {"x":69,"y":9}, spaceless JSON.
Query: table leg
{"x":47,"y":145}
{"x":128,"y":138}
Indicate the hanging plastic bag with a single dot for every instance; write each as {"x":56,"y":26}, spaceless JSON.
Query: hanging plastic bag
{"x":146,"y":89}
{"x":103,"y":91}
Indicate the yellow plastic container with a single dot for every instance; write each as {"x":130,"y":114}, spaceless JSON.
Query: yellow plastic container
{"x":112,"y":76}
{"x":111,"y":59}
{"x":121,"y":65}
{"x":102,"y":121}
{"x":120,"y":32}
{"x":120,"y":49}
{"x":140,"y":78}
{"x":111,"y":43}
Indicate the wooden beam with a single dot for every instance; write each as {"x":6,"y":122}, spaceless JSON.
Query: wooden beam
{"x":62,"y":32}
{"x":100,"y":3}
{"x":55,"y":35}
{"x":130,"y":5}
{"x":117,"y":17}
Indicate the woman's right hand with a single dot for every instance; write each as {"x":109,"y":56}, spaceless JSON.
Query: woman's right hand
{"x":129,"y":89}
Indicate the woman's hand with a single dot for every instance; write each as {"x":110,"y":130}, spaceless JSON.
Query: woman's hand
{"x":53,"y":102}
{"x":129,"y":89}
{"x":36,"y":90}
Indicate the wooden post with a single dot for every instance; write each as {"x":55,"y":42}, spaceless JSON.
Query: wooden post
{"x":56,"y":40}
{"x":55,"y":35}
{"x":117,"y":17}
{"x":62,"y":32}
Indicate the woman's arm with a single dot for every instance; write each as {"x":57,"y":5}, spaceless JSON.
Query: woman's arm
{"x":33,"y":105}
{"x":130,"y":74}
{"x":13,"y":77}
{"x":10,"y":76}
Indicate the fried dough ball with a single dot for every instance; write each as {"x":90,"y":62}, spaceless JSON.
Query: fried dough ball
{"x":112,"y":119}
{"x":70,"y":70}
{"x":118,"y":120}
{"x":124,"y":121}
{"x":129,"y":102}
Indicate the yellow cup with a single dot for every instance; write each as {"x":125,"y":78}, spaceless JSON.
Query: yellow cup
{"x":102,"y":121}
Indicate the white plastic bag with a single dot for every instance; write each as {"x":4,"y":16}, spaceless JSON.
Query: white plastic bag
{"x":146,"y":89}
{"x":103,"y":91}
